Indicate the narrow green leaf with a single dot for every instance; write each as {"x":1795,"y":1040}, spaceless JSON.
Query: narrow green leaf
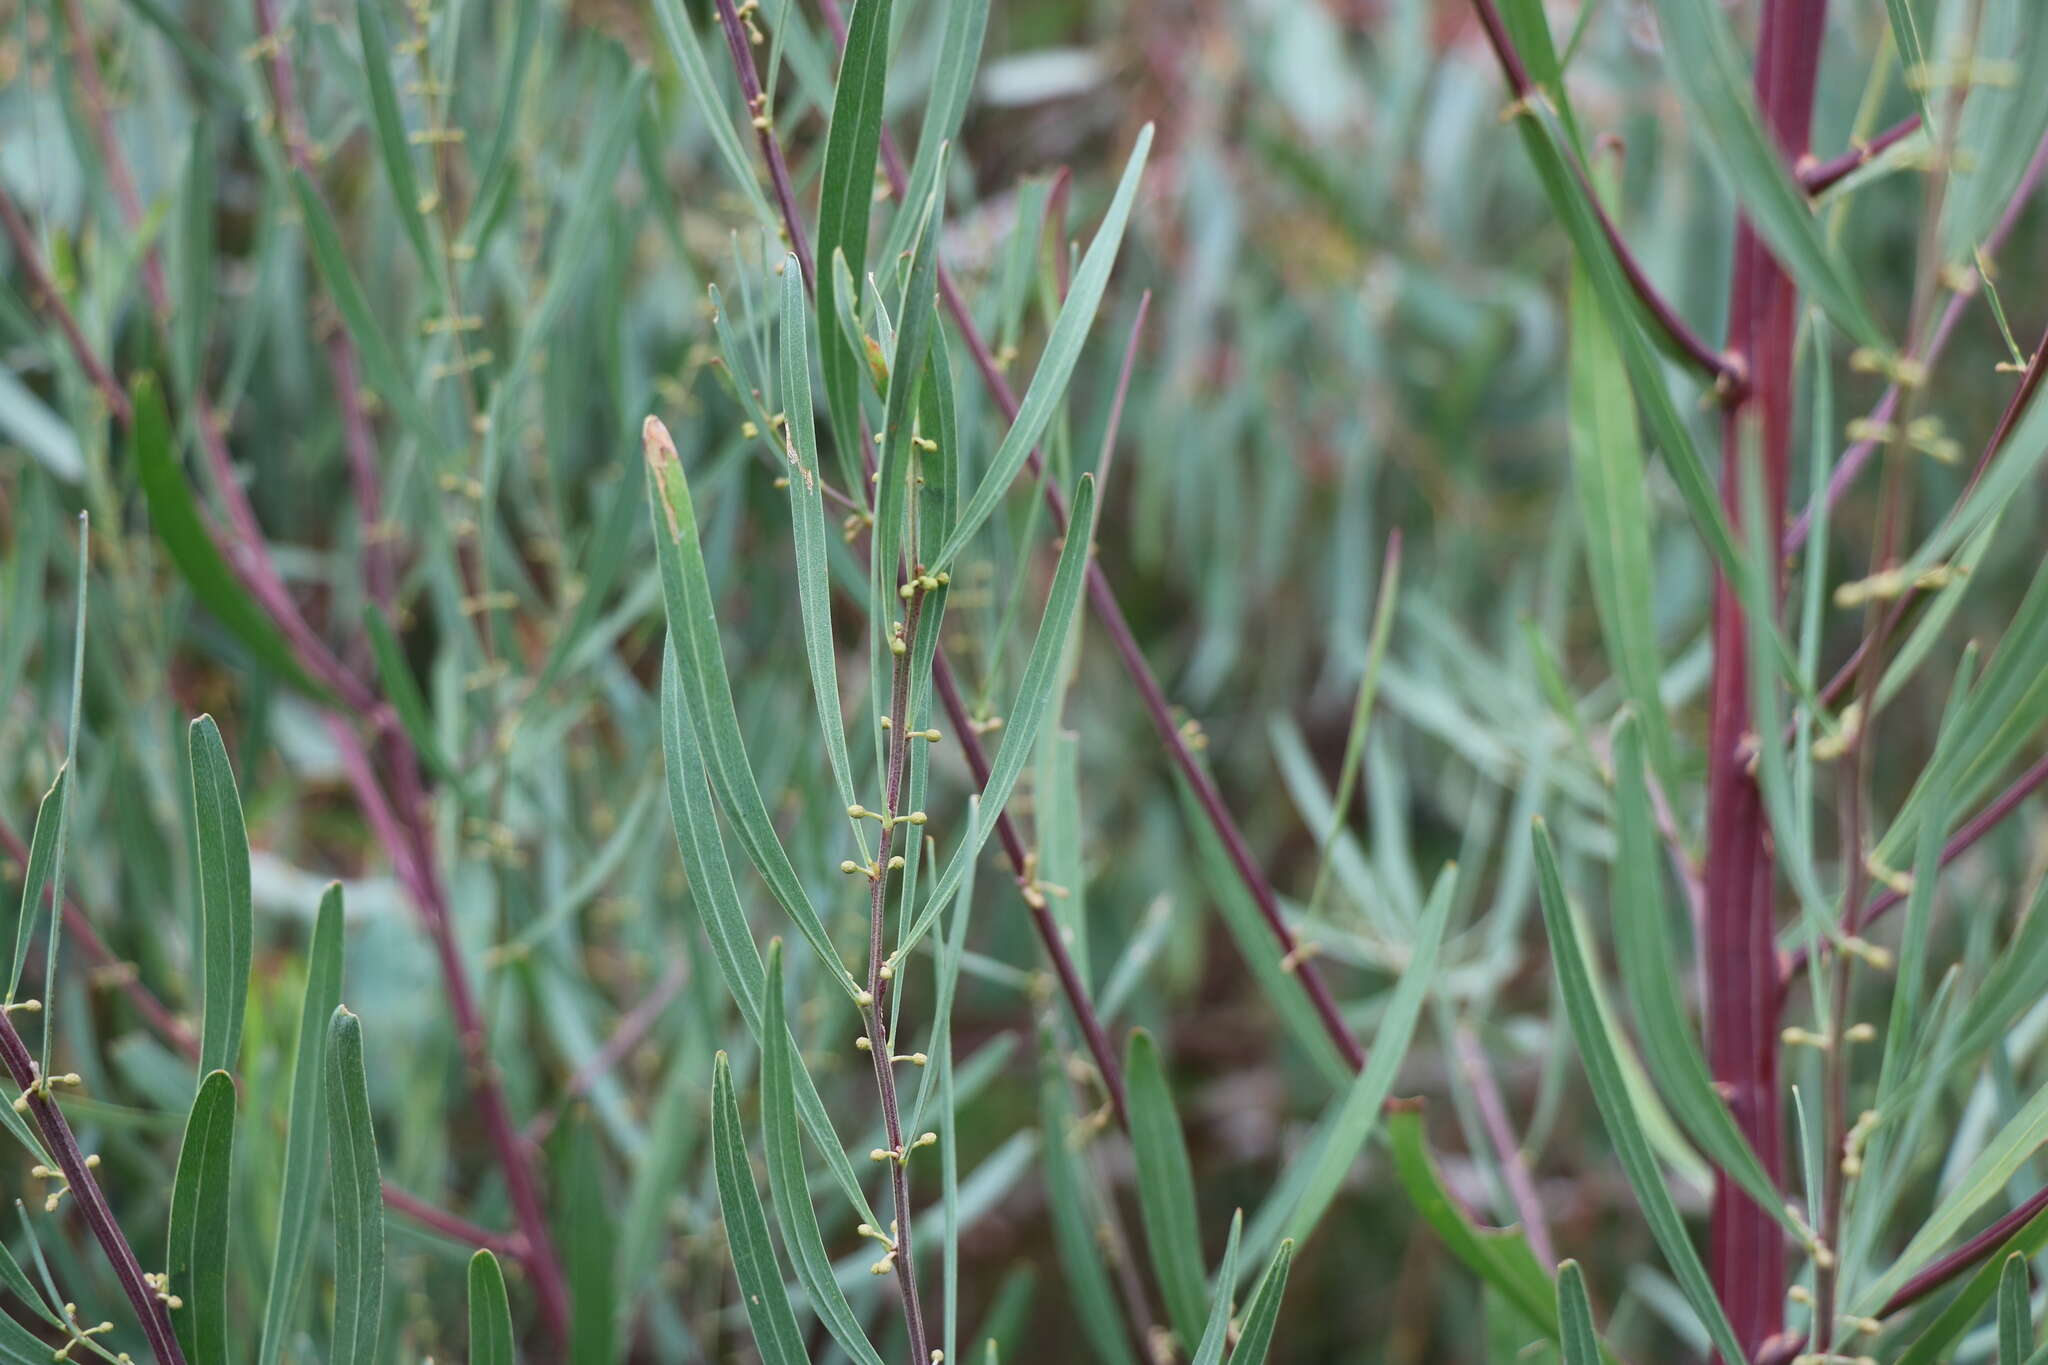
{"x":1028,"y":711}
{"x":2015,"y":1312}
{"x":392,"y":144}
{"x":1055,"y":365}
{"x":403,"y":691}
{"x":1166,"y":1188}
{"x":1209,"y":1350}
{"x":1713,"y":85}
{"x":588,"y":1247}
{"x":1579,"y":1342}
{"x":1960,"y":1313}
{"x":227,"y":912}
{"x":1979,"y":1183}
{"x":1610,"y":1094}
{"x":1501,"y":1259}
{"x":2002,"y":123}
{"x":175,"y":515}
{"x":807,"y":516}
{"x":718,"y":906}
{"x":1262,"y":1314}
{"x":952,"y":84}
{"x":1353,"y":1118}
{"x":35,"y":882}
{"x":392,"y":381}
{"x":1607,"y":470}
{"x":358,"y":1197}
{"x":198,"y":1257}
{"x":703,"y":88}
{"x":494,"y":177}
{"x":701,"y":673}
{"x":1649,"y":964}
{"x":789,"y":1183}
{"x":1074,"y":1222}
{"x":846,"y":199}
{"x":305,"y":1121}
{"x":490,"y":1314}
{"x":776,"y":1335}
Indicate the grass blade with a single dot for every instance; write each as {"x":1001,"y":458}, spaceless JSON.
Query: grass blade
{"x":1960,"y":1313}
{"x":227,"y":912}
{"x":746,"y":1231}
{"x":299,"y":1195}
{"x":1610,"y":1093}
{"x":358,"y":1197}
{"x":198,"y":1257}
{"x":1501,"y":1259}
{"x":1166,"y":1188}
{"x":1055,"y":366}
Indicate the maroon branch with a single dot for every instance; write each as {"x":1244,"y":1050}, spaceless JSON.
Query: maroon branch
{"x":1817,"y":177}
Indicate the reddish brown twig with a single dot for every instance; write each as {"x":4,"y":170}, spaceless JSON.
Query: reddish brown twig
{"x":1817,"y":177}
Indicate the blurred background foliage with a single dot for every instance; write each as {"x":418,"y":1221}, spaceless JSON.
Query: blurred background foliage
{"x":1357,"y":325}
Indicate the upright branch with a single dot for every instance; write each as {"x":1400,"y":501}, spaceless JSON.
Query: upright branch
{"x":947,"y":685}
{"x":896,"y":1156}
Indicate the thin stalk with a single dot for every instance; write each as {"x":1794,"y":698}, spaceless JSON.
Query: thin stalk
{"x":897,"y":1157}
{"x":85,"y":1188}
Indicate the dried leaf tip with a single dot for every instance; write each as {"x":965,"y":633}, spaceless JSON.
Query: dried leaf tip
{"x":662,"y":459}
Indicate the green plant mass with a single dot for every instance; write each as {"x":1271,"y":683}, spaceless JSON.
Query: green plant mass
{"x":911,"y":681}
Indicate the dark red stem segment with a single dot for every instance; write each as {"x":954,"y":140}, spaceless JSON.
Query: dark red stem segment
{"x":1747,"y":1248}
{"x":1818,"y":176}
